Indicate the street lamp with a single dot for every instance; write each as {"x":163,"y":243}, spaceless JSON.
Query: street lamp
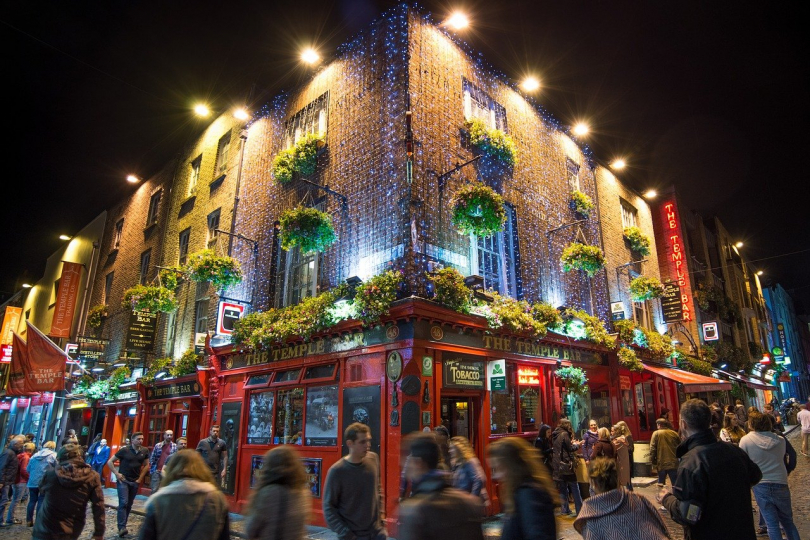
{"x":760,"y":272}
{"x":618,"y":164}
{"x":310,"y":56}
{"x":651,"y":194}
{"x":26,"y":285}
{"x":738,"y":245}
{"x":241,"y":114}
{"x":65,"y":237}
{"x":458,"y":21}
{"x":202,"y":110}
{"x":581,"y":129}
{"x":530,"y":84}
{"x":132,"y":179}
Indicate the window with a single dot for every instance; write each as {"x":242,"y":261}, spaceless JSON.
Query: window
{"x":645,"y":406}
{"x":302,"y":276}
{"x":321,"y":416}
{"x":201,"y":309}
{"x":223,"y":148}
{"x":183,"y":248}
{"x":291,"y":375}
{"x":194,"y":175}
{"x":477,"y":104}
{"x":213,"y":225}
{"x":158,"y":413}
{"x":503,"y":410}
{"x":260,"y":429}
{"x":629,"y":215}
{"x":154,"y":207}
{"x":642,"y":315}
{"x":289,"y":416}
{"x":572,"y":173}
{"x":146,"y":257}
{"x":108,"y":282}
{"x":495,"y":257}
{"x":119,"y":231}
{"x":309,"y":120}
{"x":171,"y":327}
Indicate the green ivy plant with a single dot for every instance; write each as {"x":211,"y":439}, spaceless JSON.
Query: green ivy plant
{"x":493,"y":142}
{"x":629,"y":359}
{"x":516,"y":315}
{"x":577,"y":256}
{"x":639,"y":242}
{"x":153,"y":299}
{"x":118,"y":377}
{"x":478,"y":210}
{"x":645,"y":288}
{"x":374,"y":298}
{"x":450,"y":290}
{"x":574,"y":379}
{"x":308,"y":228}
{"x":583,"y":205}
{"x":222,"y":271}
{"x":186,"y":365}
{"x":156,"y":366}
{"x":301,"y":158}
{"x":593,"y":329}
{"x":692,"y":364}
{"x":546,"y":314}
{"x":96,"y":315}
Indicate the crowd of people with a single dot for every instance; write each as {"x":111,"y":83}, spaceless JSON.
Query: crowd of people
{"x":715,"y":460}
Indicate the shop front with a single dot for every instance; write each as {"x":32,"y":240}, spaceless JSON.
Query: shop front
{"x":119,"y":420}
{"x":672,"y":387}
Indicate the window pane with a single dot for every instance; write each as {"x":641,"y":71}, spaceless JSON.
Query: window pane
{"x":322,"y":411}
{"x":289,"y":416}
{"x":261,"y":418}
{"x":286,"y":376}
{"x":503,"y":407}
{"x":528,"y":408}
{"x":318,"y":372}
{"x":257,"y":380}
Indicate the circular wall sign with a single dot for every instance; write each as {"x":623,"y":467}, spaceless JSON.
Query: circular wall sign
{"x":393,"y":366}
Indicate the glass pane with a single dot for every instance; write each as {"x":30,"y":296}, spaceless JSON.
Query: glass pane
{"x":287,"y":376}
{"x":261,"y":418}
{"x":318,"y":372}
{"x":528,"y":408}
{"x":322,"y":411}
{"x":503,"y":407}
{"x":289,"y":416}
{"x":257,"y":380}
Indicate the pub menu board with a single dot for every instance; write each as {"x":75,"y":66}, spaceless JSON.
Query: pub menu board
{"x":465,"y":372}
{"x":671,"y":305}
{"x":362,"y":404}
{"x":229,"y":431}
{"x":141,"y":331}
{"x":260,"y":429}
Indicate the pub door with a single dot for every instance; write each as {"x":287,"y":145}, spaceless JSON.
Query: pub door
{"x":458,"y":416}
{"x":180,"y":426}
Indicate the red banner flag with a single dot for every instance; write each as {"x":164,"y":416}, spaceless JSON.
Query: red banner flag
{"x":18,"y":367}
{"x":46,"y":361}
{"x":69,"y":284}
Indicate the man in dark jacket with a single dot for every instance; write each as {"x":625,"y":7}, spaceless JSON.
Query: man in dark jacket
{"x":436,"y":511}
{"x":9,"y":467}
{"x":711,"y":496}
{"x":64,"y":493}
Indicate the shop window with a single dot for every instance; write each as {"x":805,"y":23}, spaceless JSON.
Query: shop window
{"x":289,"y":376}
{"x":495,"y":257}
{"x":289,"y":416}
{"x":158,"y":413}
{"x":260,"y":418}
{"x":320,"y":372}
{"x":528,"y":408}
{"x":645,"y":406}
{"x":503,"y":406}
{"x":321,"y":419}
{"x":255,"y":381}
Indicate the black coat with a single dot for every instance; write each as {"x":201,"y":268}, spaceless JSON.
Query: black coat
{"x":563,"y":451}
{"x":63,"y":496}
{"x":437,"y":511}
{"x":9,"y":467}
{"x":711,"y":496}
{"x":533,"y":518}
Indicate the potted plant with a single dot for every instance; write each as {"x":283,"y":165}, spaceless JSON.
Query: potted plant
{"x":629,"y":359}
{"x":186,"y":365}
{"x":639,"y":242}
{"x":301,"y":158}
{"x":96,"y":316}
{"x":308,"y":228}
{"x":374,"y":297}
{"x":493,"y":142}
{"x":645,"y":288}
{"x":150,"y":298}
{"x":478,"y":210}
{"x":581,"y":203}
{"x":450,"y":289}
{"x":574,"y":380}
{"x":577,"y":256}
{"x":220,"y":271}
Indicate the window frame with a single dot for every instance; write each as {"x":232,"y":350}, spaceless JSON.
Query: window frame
{"x":508,"y":256}
{"x":118,"y":233}
{"x":212,"y":234}
{"x":474,"y":99}
{"x":629,"y":214}
{"x":313,"y":118}
{"x":194,"y":175}
{"x":108,"y":283}
{"x":223,"y":154}
{"x":153,"y":215}
{"x":572,"y":169}
{"x":143,"y":276}
{"x":182,"y":248}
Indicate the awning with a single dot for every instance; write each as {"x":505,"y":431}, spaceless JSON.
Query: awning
{"x":756,"y":384}
{"x":692,"y":382}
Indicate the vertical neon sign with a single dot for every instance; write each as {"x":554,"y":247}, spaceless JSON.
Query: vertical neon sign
{"x":677,"y":257}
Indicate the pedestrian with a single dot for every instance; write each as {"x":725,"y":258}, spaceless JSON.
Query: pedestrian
{"x":63,"y":496}
{"x":614,"y":512}
{"x":281,"y":501}
{"x":804,"y":419}
{"x":589,"y":439}
{"x":767,"y":450}
{"x":38,"y":465}
{"x":543,"y":445}
{"x":29,"y":438}
{"x":157,"y":459}
{"x":525,"y":488}
{"x":563,"y":465}
{"x":352,"y":504}
{"x":603,"y":446}
{"x":9,"y":467}
{"x":624,"y":431}
{"x":731,"y":432}
{"x":133,"y":466}
{"x":663,"y":449}
{"x":776,"y":418}
{"x":215,"y":452}
{"x":622,"y":450}
{"x":711,"y":495}
{"x":443,"y":438}
{"x":90,"y":451}
{"x":189,"y":504}
{"x":99,"y":458}
{"x":666,"y":414}
{"x":468,"y":475}
{"x":740,"y":413}
{"x":20,"y":483}
{"x":435,"y":510}
{"x":717,"y":419}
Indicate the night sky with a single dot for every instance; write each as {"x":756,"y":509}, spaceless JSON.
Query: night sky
{"x":711,"y":99}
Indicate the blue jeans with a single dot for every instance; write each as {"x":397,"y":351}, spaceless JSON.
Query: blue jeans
{"x":33,"y":499}
{"x":564,"y":487}
{"x":5,"y":498}
{"x":18,"y":490}
{"x":126,"y":496}
{"x":662,"y":476}
{"x":774,"y":504}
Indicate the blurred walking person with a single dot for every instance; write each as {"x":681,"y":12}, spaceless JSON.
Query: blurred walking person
{"x":804,"y":419}
{"x":663,"y":451}
{"x":623,"y":430}
{"x":21,"y":482}
{"x":99,"y":458}
{"x":468,"y":475}
{"x":563,"y":465}
{"x":740,"y":412}
{"x":189,"y":504}
{"x":38,"y":465}
{"x":731,"y":432}
{"x":526,"y":490}
{"x":614,"y":512}
{"x":9,"y":467}
{"x":157,"y":459}
{"x":279,"y":507}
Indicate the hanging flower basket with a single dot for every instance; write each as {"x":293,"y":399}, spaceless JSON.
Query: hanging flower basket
{"x":308,"y":228}
{"x":645,"y":288}
{"x":220,"y":271}
{"x":581,"y":203}
{"x":577,"y":256}
{"x":574,"y":380}
{"x":187,"y":364}
{"x":149,"y":298}
{"x":96,"y":315}
{"x":301,"y":158}
{"x":374,"y":297}
{"x":493,"y":142}
{"x":628,"y":359}
{"x":639,"y":242}
{"x":171,"y":278}
{"x":478,"y":210}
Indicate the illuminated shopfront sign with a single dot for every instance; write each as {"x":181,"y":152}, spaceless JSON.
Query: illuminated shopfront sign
{"x":677,"y":257}
{"x":528,"y":375}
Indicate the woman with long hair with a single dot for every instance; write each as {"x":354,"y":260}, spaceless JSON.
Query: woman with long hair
{"x":188,"y":505}
{"x":468,"y":475}
{"x":543,"y":445}
{"x":731,"y":432}
{"x":622,"y":450}
{"x":624,"y":431}
{"x":564,"y":466}
{"x":603,"y":446}
{"x":525,"y":489}
{"x":279,"y":507}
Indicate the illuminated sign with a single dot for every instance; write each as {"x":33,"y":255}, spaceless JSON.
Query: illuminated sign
{"x":5,"y":354}
{"x":527,"y":375}
{"x":228,"y":314}
{"x":710,"y":332}
{"x":676,"y":256}
{"x":496,"y":374}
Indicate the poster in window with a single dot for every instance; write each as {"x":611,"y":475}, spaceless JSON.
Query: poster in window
{"x":229,"y":431}
{"x":260,"y":426}
{"x":312,"y":466}
{"x":256,"y":463}
{"x":322,"y":410}
{"x":362,"y":404}
{"x":289,"y":416}
{"x":627,"y":403}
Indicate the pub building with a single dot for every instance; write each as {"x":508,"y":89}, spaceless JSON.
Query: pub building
{"x":420,"y":367}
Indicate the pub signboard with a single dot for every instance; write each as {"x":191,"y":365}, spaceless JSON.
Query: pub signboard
{"x":174,"y":390}
{"x":671,"y":303}
{"x":464,"y":372}
{"x":141,"y":331}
